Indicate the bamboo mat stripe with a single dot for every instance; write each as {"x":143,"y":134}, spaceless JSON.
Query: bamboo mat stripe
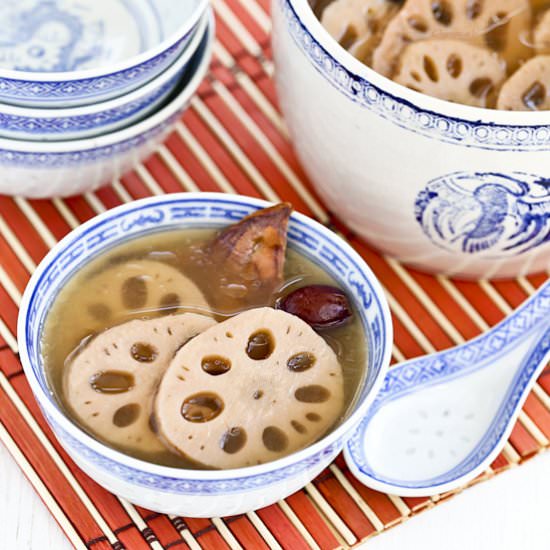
{"x":233,"y":139}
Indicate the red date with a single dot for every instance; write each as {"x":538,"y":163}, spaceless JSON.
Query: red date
{"x":320,"y":306}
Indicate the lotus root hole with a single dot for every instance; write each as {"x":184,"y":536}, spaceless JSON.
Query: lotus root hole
{"x":415,"y":76}
{"x":454,"y":65}
{"x":215,"y":365}
{"x":442,"y":12}
{"x":312,"y":394}
{"x":143,"y":353}
{"x":346,"y":40}
{"x":313,"y":417}
{"x":126,"y":415}
{"x":202,"y":407}
{"x":134,"y":293}
{"x":274,"y":439}
{"x":153,"y":423}
{"x":474,"y":9}
{"x":260,"y":345}
{"x":229,"y":335}
{"x":233,"y":440}
{"x":100,"y":312}
{"x":112,"y":381}
{"x":534,"y":96}
{"x":95,"y":414}
{"x":481,"y":87}
{"x":417,"y":23}
{"x":301,"y":362}
{"x":430,"y":68}
{"x":495,"y":37}
{"x":258,"y":394}
{"x":170,"y":301}
{"x":300,"y":428}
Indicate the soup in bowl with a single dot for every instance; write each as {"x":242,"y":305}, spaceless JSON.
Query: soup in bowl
{"x":203,"y":354}
{"x":446,"y":186}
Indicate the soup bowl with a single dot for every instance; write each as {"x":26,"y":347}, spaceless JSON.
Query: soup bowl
{"x":67,"y":167}
{"x":445,"y":187}
{"x":69,"y":52}
{"x":54,"y":124}
{"x":199,"y":493}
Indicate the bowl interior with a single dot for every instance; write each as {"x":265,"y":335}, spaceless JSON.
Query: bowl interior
{"x":188,"y":211}
{"x":71,"y":35}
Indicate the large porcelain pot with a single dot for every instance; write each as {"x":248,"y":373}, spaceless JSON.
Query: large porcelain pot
{"x":446,"y":187}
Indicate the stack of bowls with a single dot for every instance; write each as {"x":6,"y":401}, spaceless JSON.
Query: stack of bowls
{"x":87,"y":90}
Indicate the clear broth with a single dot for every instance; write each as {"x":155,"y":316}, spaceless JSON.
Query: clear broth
{"x":69,"y":324}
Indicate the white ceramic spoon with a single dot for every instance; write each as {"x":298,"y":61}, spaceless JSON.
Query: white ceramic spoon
{"x":441,"y":419}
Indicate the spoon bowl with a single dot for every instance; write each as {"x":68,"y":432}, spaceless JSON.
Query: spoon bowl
{"x":440,"y":420}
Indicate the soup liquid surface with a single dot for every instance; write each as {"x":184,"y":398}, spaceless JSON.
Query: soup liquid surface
{"x":69,"y":322}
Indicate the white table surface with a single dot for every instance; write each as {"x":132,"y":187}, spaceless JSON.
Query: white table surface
{"x":510,"y":512}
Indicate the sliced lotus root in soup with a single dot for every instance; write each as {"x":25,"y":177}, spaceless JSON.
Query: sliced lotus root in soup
{"x":252,"y":389}
{"x":541,"y":34}
{"x":110,"y":382}
{"x":452,"y":70}
{"x":138,"y":286}
{"x":498,"y":25}
{"x":358,"y":25}
{"x":528,"y":89}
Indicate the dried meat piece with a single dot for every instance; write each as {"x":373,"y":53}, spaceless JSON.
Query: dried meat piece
{"x":245,"y":261}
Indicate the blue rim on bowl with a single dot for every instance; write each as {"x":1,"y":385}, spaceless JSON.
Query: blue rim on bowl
{"x":199,"y":210}
{"x":66,"y":88}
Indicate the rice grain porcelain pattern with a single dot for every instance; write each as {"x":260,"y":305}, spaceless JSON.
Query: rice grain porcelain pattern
{"x":373,"y":147}
{"x":63,"y":168}
{"x":440,"y":420}
{"x":51,"y":124}
{"x":199,"y":493}
{"x":62,"y":53}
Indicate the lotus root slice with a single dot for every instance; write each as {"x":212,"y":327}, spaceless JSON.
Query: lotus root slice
{"x":110,"y":381}
{"x":358,"y":24}
{"x":528,"y":89}
{"x":280,"y":389}
{"x":498,"y":25}
{"x":541,"y":34}
{"x":452,"y":70}
{"x":138,"y":287}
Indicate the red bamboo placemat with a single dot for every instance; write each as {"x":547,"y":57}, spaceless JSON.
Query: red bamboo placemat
{"x":233,"y":139}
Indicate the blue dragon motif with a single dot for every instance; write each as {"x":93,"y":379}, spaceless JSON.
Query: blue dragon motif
{"x":46,"y":36}
{"x":488,"y":213}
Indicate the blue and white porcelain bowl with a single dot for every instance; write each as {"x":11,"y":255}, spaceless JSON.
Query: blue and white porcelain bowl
{"x":199,"y":493}
{"x":446,"y":187}
{"x":61,"y":53}
{"x":62,"y":168}
{"x":52,"y":124}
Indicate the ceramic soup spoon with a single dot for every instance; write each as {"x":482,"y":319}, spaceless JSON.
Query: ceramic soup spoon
{"x":440,"y":420}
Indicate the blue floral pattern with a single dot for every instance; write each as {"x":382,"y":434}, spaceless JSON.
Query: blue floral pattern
{"x":488,"y":213}
{"x":60,"y":125}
